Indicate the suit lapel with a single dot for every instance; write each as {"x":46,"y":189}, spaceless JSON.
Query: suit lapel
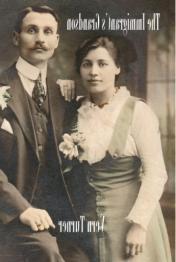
{"x":57,"y":109}
{"x":20,"y":106}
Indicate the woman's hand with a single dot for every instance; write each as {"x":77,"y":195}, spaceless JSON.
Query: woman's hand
{"x":135,"y":240}
{"x":67,"y":88}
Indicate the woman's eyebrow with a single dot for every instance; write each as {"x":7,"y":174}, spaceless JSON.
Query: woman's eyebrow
{"x":100,"y":59}
{"x":86,"y":60}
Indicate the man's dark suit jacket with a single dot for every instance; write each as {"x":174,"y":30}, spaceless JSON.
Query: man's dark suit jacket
{"x":19,"y":156}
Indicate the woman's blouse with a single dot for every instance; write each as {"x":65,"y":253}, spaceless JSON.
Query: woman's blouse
{"x":143,"y":140}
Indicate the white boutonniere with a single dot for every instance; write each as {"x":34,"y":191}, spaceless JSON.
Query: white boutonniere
{"x":71,"y":147}
{"x":4,"y":96}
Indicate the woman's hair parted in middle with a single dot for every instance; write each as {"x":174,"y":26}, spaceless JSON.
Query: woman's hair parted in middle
{"x":120,"y":49}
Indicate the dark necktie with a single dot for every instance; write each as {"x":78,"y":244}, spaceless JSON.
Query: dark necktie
{"x":38,"y":93}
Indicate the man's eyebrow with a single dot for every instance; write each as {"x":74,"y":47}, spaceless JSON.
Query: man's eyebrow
{"x":36,"y":26}
{"x":30,"y":25}
{"x":49,"y":26}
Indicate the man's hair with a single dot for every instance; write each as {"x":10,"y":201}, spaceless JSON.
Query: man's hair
{"x":38,"y":9}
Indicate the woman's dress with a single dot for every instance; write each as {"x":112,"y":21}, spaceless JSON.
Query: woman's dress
{"x":107,"y":185}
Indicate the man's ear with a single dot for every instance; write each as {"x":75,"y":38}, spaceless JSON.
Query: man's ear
{"x":15,"y":38}
{"x":57,"y":40}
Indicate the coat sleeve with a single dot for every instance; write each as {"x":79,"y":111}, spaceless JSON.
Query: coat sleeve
{"x":12,"y":203}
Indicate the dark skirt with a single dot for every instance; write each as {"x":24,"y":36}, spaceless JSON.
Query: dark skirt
{"x":109,"y":190}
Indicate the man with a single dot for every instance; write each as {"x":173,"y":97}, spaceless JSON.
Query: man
{"x":31,"y":184}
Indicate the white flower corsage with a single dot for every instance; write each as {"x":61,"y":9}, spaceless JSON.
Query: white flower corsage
{"x":71,"y":147}
{"x":4,"y":96}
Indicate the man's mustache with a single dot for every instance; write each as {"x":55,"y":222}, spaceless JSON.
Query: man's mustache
{"x":40,"y":46}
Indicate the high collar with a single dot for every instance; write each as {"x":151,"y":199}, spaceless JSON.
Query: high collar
{"x":116,"y":100}
{"x":29,"y":71}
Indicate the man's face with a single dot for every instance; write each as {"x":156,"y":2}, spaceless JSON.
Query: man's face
{"x":38,"y":37}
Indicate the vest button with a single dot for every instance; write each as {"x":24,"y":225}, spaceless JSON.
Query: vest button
{"x":38,"y":114}
{"x":40,"y":130}
{"x":40,"y":148}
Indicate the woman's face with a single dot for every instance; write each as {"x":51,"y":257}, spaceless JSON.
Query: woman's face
{"x":98,"y":71}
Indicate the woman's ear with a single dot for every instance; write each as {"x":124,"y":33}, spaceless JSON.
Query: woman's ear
{"x":16,"y":38}
{"x":117,"y":70}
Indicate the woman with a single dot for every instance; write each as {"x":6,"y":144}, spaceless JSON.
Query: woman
{"x":117,"y":173}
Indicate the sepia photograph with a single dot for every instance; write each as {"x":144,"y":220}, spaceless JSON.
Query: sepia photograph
{"x":87,"y":131}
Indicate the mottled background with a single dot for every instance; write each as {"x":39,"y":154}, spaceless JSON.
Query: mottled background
{"x":151,"y":77}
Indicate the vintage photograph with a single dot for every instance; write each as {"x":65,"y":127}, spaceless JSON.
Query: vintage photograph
{"x":87,"y":138}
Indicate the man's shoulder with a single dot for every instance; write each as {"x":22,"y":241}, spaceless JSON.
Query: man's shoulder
{"x":7,"y":74}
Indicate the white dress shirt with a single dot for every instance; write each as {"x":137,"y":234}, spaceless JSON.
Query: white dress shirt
{"x":29,"y":73}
